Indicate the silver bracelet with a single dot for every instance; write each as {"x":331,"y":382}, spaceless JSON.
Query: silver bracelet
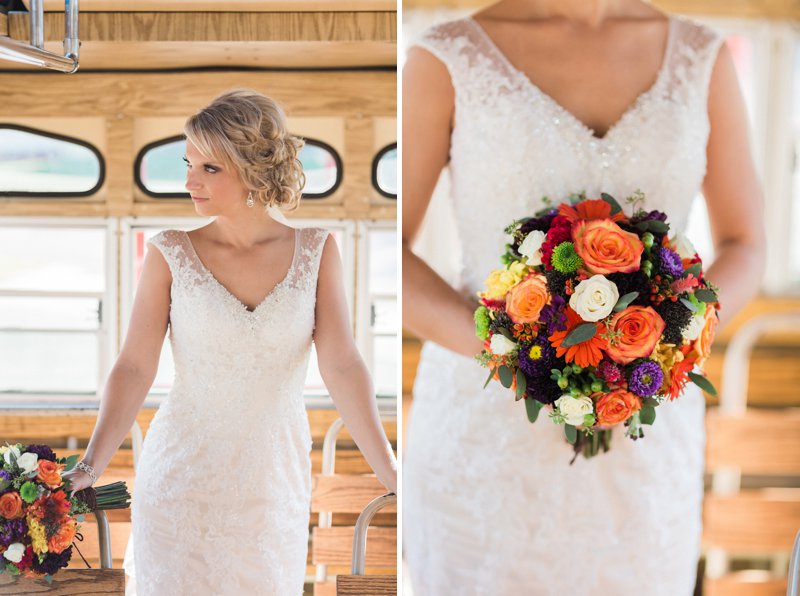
{"x":88,"y":469}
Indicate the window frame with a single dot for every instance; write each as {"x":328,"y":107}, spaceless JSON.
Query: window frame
{"x":101,"y":177}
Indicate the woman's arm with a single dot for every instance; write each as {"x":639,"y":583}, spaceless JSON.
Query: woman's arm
{"x":344,"y":372}
{"x":431,"y":308}
{"x":733,"y":195}
{"x":137,"y":364}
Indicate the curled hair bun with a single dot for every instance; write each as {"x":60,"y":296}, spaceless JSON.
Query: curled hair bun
{"x":247,"y":131}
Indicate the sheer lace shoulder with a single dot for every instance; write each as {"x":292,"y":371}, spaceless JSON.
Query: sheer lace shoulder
{"x":692,"y":59}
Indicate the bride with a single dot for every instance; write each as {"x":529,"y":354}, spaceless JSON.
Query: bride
{"x":533,"y":98}
{"x":223,"y":484}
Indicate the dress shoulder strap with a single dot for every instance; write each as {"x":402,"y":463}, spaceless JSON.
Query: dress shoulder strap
{"x":311,"y":242}
{"x":694,"y":54}
{"x":172,"y":245}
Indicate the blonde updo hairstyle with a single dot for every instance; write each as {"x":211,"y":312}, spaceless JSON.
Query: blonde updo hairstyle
{"x":247,"y":131}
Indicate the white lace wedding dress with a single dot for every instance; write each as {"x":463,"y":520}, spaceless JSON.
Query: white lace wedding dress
{"x":223,"y":485}
{"x":491,"y":505}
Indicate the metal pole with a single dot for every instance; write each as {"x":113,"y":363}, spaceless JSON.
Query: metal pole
{"x":104,"y":537}
{"x":362,"y":525}
{"x":33,"y":53}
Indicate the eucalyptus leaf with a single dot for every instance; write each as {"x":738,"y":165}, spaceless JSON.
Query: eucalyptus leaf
{"x":571,"y":433}
{"x":522,"y":384}
{"x":506,"y":333}
{"x":490,"y":377}
{"x":658,"y":226}
{"x":694,"y":270}
{"x":705,"y":295}
{"x":650,"y":401}
{"x":615,"y":206}
{"x":688,"y":304}
{"x":647,"y":415}
{"x":703,"y":383}
{"x":643,"y":226}
{"x":625,"y":300}
{"x":532,"y":408}
{"x":580,"y":334}
{"x":506,"y":377}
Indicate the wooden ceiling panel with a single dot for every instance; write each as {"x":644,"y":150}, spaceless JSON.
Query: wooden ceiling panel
{"x":159,"y":55}
{"x":225,"y":6}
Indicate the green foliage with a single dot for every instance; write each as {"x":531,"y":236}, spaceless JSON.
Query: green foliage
{"x":532,"y":409}
{"x":579,"y":335}
{"x":625,"y":300}
{"x":703,"y":383}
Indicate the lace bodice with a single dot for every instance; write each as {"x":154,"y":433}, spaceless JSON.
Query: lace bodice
{"x":491,"y":504}
{"x":225,"y":471}
{"x":658,"y":145}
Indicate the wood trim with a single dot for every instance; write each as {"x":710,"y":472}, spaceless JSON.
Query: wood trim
{"x":771,"y":9}
{"x":69,"y":581}
{"x":742,"y":584}
{"x":760,"y":442}
{"x":764,"y":521}
{"x":227,"y":6}
{"x":346,"y":493}
{"x":366,"y":585}
{"x":143,"y":27}
{"x":334,"y":546}
{"x":323,"y":93}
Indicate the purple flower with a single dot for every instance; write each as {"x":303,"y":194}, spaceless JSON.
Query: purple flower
{"x":553,"y":315}
{"x":536,"y":359}
{"x":646,"y":379}
{"x":52,"y":561}
{"x":670,"y":262}
{"x":43,"y":451}
{"x":650,"y":216}
{"x":543,"y":389}
{"x":12,"y":530}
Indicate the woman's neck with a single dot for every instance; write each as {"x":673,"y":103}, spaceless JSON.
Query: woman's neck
{"x":589,"y":13}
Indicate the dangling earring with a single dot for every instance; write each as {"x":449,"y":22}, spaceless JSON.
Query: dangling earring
{"x":250,"y":201}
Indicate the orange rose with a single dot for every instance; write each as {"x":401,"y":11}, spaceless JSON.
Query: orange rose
{"x":634,"y":333}
{"x":50,"y":473}
{"x":526,"y":300}
{"x":616,"y":407}
{"x":702,"y":345}
{"x":11,"y":505}
{"x":607,"y":248}
{"x":63,"y":537}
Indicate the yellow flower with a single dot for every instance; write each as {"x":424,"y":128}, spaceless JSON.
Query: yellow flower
{"x":667,"y":356}
{"x":38,"y":536}
{"x":3,"y":449}
{"x":500,"y":281}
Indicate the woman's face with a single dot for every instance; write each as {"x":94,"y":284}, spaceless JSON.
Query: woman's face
{"x":215,"y":189}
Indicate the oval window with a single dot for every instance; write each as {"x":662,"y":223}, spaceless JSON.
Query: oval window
{"x":41,"y":163}
{"x":384,"y":171}
{"x":161,"y":173}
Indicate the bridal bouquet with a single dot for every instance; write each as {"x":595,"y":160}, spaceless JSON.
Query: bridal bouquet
{"x":599,"y":316}
{"x":38,"y":521}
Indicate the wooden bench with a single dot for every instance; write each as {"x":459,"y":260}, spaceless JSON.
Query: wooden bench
{"x":334,"y":493}
{"x":750,"y":525}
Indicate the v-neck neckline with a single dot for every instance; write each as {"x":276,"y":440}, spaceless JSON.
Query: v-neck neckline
{"x":230,"y":294}
{"x":632,"y":107}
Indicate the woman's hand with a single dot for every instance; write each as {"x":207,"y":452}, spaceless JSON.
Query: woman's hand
{"x":79,"y":480}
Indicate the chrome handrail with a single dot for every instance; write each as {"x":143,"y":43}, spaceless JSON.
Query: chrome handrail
{"x":362,"y":525}
{"x":793,"y":588}
{"x":34,"y":53}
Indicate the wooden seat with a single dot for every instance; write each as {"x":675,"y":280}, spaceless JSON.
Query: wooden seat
{"x":68,"y":582}
{"x":756,"y":525}
{"x":337,"y":494}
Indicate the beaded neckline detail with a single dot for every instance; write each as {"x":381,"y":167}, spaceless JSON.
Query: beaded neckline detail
{"x":207,"y":272}
{"x":558,"y":107}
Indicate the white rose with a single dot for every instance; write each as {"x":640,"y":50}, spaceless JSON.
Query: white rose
{"x":531,"y":247}
{"x":683,"y":246}
{"x":594,"y":298}
{"x":501,"y":345}
{"x":28,"y":462}
{"x":14,"y":552}
{"x":694,"y":327}
{"x":574,"y":408}
{"x":12,"y":451}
